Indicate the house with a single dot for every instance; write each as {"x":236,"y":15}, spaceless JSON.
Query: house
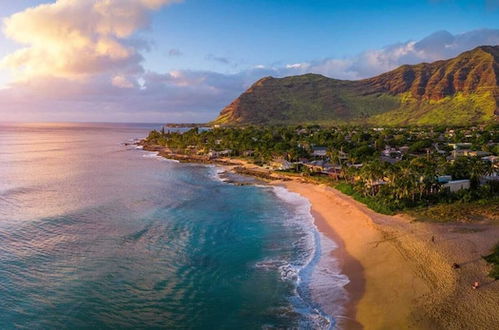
{"x":343,"y":155}
{"x":225,"y":152}
{"x":319,"y":151}
{"x":468,"y":153}
{"x":389,"y":159}
{"x":459,"y":153}
{"x":492,"y":159}
{"x":444,"y":178}
{"x":334,"y":171}
{"x":281,"y":164}
{"x":319,"y":166}
{"x":478,"y":153}
{"x":437,"y":148}
{"x":404,"y":149}
{"x":248,"y":153}
{"x":460,"y":146}
{"x":457,"y":185}
{"x":391,"y":155}
{"x":494,"y":177}
{"x":215,"y":154}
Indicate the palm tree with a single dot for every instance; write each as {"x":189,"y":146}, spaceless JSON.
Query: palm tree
{"x":478,"y":168}
{"x":371,"y":173}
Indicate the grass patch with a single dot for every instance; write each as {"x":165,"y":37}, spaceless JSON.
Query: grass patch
{"x":459,"y":109}
{"x":493,"y":259}
{"x":484,"y":209}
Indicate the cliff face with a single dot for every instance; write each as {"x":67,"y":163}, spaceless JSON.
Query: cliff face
{"x":471,"y":72}
{"x":456,"y":91}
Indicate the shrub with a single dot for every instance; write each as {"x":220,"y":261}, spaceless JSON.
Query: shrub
{"x":379,"y":206}
{"x":493,"y":259}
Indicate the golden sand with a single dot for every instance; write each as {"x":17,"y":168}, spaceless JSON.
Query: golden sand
{"x":400,"y":277}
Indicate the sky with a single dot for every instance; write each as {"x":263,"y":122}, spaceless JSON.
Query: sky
{"x":183,"y":61}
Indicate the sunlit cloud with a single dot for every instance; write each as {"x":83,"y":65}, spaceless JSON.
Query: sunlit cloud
{"x":437,"y":46}
{"x":82,"y":60}
{"x":75,"y":38}
{"x":122,"y":82}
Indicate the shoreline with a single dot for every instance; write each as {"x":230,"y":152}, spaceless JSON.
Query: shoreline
{"x":350,"y":267}
{"x":400,"y":275}
{"x":399,"y":278}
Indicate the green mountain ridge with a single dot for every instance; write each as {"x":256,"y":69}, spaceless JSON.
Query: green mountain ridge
{"x":459,"y":91}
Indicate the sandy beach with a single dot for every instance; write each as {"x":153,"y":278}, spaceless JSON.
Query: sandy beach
{"x":400,"y":277}
{"x":401,"y":271}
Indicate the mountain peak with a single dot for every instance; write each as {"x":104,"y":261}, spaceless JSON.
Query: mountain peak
{"x":461,"y":90}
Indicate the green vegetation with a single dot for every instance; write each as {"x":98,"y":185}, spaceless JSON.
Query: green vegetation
{"x":460,"y":211}
{"x":459,"y":109}
{"x":388,"y":169}
{"x":373,"y":203}
{"x":364,"y":106}
{"x":458,"y":91}
{"x":493,"y":259}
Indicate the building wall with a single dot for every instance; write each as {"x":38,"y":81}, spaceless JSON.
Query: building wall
{"x":457,"y":185}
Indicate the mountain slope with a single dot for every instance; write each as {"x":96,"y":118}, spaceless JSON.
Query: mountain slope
{"x":461,"y":90}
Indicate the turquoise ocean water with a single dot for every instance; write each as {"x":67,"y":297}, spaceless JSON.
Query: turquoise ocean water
{"x":96,"y":234}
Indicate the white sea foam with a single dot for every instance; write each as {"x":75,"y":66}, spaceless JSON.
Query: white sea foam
{"x":318,"y":277}
{"x":216,"y":171}
{"x":155,"y":155}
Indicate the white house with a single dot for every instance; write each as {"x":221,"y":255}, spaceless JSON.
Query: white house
{"x":457,"y":185}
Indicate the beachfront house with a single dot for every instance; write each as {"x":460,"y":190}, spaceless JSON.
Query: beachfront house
{"x":334,"y":172}
{"x":216,"y":154}
{"x":281,"y":164}
{"x":248,"y":153}
{"x":457,"y":185}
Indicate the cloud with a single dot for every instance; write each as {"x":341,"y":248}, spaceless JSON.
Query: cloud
{"x":219,"y":59}
{"x":437,"y":46}
{"x":174,"y":52}
{"x":100,"y":78}
{"x":74,"y":38}
{"x":167,"y":97}
{"x":122,"y":82}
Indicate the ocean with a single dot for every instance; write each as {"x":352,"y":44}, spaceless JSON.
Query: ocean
{"x":98,"y":234}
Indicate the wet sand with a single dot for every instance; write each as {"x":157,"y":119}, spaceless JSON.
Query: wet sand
{"x":400,"y":271}
{"x":399,"y":277}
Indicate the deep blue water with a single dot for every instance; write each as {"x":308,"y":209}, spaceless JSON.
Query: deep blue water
{"x":95,"y":234}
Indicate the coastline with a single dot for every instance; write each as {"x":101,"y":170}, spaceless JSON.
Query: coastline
{"x":400,"y":271}
{"x":399,"y":278}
